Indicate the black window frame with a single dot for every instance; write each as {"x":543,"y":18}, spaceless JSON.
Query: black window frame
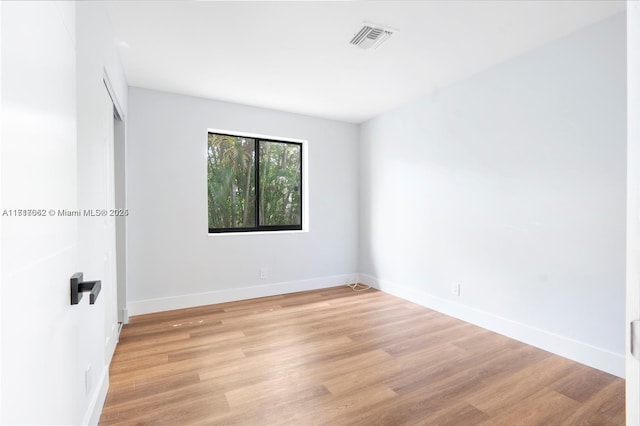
{"x":256,"y":151}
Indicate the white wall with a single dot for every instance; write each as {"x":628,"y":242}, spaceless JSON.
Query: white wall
{"x":173,"y":262}
{"x":511,"y":184}
{"x":1,"y":223}
{"x":96,"y":55}
{"x":633,"y":204}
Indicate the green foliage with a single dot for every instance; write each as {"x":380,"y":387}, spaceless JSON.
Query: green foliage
{"x":280,"y":195}
{"x":231,"y":182}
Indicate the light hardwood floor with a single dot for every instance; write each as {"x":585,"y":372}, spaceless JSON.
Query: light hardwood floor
{"x":338,"y":357}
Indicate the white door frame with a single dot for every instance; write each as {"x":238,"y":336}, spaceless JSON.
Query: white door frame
{"x":114,"y":98}
{"x":120,"y":193}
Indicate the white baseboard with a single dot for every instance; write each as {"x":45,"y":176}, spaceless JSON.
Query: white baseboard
{"x":94,"y":410}
{"x":611,"y":362}
{"x":232,"y":294}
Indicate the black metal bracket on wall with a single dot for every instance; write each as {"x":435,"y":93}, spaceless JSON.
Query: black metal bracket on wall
{"x":78,"y":287}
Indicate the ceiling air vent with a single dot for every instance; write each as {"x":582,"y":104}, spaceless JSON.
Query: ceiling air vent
{"x":371,"y":36}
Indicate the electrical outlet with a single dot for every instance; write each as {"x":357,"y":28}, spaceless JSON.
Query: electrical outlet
{"x":455,"y":289}
{"x":263,"y":273}
{"x":87,"y":380}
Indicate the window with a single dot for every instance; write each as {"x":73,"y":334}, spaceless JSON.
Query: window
{"x":254,"y":184}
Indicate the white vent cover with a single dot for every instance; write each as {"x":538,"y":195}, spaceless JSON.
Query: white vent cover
{"x":371,"y":36}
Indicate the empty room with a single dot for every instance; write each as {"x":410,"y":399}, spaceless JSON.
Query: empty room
{"x":320,"y":212}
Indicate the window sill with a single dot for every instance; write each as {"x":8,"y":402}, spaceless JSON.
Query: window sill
{"x":228,"y":234}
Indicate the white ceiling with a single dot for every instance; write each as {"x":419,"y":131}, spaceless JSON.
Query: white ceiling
{"x":296,"y":56}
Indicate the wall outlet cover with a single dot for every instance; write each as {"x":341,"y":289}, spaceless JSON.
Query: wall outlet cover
{"x":455,"y":289}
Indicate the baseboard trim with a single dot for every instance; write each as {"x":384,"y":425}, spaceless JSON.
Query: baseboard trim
{"x":92,"y":415}
{"x":232,"y":294}
{"x":581,"y":352}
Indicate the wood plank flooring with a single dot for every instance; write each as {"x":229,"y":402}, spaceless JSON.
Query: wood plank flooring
{"x":338,"y":357}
